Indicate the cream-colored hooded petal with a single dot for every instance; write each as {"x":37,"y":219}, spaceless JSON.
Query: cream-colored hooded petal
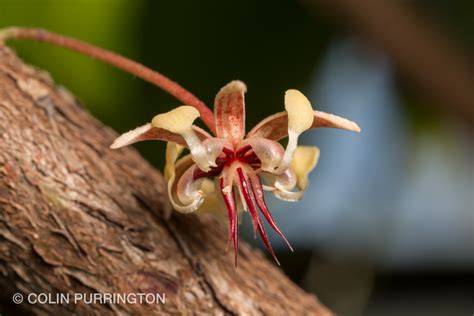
{"x":300,"y":119}
{"x":180,"y":121}
{"x":304,"y":161}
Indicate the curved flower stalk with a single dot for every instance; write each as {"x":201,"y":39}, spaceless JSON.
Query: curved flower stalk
{"x":231,"y":170}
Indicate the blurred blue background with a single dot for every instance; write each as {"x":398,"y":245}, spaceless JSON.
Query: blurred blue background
{"x":387,"y":226}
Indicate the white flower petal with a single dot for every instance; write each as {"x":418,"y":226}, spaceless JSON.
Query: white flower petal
{"x":300,"y":119}
{"x":300,"y":112}
{"x":180,"y":121}
{"x":183,"y":181}
{"x":268,"y":152}
{"x":304,"y":161}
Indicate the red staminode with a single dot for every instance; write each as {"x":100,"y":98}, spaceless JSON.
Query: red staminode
{"x":251,"y":191}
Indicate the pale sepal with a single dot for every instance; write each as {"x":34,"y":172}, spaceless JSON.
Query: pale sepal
{"x":229,"y":111}
{"x":148,"y":132}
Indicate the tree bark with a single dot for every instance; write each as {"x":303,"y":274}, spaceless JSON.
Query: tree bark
{"x":77,"y":217}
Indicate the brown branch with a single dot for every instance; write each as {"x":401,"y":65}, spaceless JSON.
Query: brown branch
{"x":76,"y":217}
{"x":433,"y":64}
{"x":116,"y":60}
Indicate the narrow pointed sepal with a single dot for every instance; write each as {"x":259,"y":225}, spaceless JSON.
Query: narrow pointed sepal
{"x":275,"y":127}
{"x":148,"y":132}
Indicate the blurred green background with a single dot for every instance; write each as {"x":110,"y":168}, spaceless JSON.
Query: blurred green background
{"x":273,"y":46}
{"x":201,"y":44}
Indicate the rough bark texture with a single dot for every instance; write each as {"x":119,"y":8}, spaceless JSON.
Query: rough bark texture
{"x":78,"y":217}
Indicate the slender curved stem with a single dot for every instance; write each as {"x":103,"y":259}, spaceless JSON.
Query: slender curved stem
{"x":116,"y":60}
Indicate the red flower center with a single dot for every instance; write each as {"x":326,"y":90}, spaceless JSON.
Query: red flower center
{"x":247,"y":182}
